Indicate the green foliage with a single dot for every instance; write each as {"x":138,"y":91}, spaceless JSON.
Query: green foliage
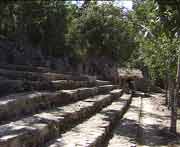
{"x":40,"y":23}
{"x":61,"y":28}
{"x":102,"y":31}
{"x":157,"y":41}
{"x":54,"y":28}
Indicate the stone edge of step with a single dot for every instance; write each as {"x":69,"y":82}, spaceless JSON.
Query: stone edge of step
{"x":111,"y":140}
{"x":12,"y":86}
{"x":24,"y":104}
{"x":116,"y":93}
{"x":16,"y":74}
{"x":107,"y":129}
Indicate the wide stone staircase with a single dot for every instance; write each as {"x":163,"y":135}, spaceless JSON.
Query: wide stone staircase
{"x":43,"y":108}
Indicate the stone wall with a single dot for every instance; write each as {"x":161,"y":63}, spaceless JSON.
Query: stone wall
{"x":101,"y":67}
{"x":13,"y":53}
{"x":146,"y":86}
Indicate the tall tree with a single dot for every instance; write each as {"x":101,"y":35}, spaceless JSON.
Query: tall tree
{"x":158,"y":43}
{"x":39,"y":23}
{"x":102,"y":31}
{"x":174,"y":29}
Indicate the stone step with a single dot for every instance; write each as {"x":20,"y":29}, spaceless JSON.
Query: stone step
{"x":71,"y":84}
{"x":34,"y":76}
{"x":126,"y":133}
{"x":3,"y":78}
{"x":34,"y":131}
{"x":24,"y":68}
{"x":94,"y":131}
{"x":15,"y":86}
{"x":11,"y":86}
{"x":17,"y":105}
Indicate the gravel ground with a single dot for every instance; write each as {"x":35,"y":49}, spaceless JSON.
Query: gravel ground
{"x":146,"y":124}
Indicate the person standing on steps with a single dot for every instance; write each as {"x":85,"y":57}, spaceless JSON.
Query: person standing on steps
{"x":131,"y":86}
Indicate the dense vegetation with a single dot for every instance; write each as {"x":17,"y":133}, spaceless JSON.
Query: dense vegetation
{"x":145,"y":38}
{"x":61,"y":28}
{"x":159,"y":46}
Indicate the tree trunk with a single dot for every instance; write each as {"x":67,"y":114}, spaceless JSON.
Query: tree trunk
{"x":170,"y":93}
{"x":173,"y":127}
{"x":166,"y":83}
{"x":169,"y":84}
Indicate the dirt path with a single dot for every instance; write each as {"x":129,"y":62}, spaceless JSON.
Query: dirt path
{"x":125,"y":133}
{"x":145,"y":124}
{"x":154,"y":123}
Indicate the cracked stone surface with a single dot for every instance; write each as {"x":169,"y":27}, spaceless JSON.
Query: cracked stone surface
{"x":17,"y":105}
{"x":40,"y":127}
{"x":125,"y":132}
{"x":93,"y":131}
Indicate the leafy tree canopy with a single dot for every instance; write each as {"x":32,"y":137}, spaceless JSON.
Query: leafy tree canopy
{"x":102,"y":31}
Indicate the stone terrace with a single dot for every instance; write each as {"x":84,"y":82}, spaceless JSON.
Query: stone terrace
{"x":42,"y":108}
